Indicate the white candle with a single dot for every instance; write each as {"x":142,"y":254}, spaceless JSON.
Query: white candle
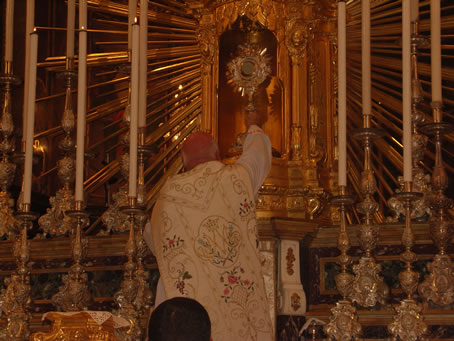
{"x":71,"y":17}
{"x":133,"y":125}
{"x":9,"y":30}
{"x":342,"y":93}
{"x":132,"y":11}
{"x":29,"y":24}
{"x":143,"y":62}
{"x":435,"y":52}
{"x":28,"y":162}
{"x":83,"y":14}
{"x":406,"y":90}
{"x":365,"y":54}
{"x":81,"y":103}
{"x":414,"y":10}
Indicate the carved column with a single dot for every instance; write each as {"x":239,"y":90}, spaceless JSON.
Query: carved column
{"x":206,"y":36}
{"x":297,"y":32}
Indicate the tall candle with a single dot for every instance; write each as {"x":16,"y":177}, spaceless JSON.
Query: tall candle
{"x":342,"y":93}
{"x":132,"y":11}
{"x":29,"y":23}
{"x":71,"y":17}
{"x":435,"y":52}
{"x":81,"y":102}
{"x":414,"y":16}
{"x":9,"y":30}
{"x":406,"y":90}
{"x":28,"y":162}
{"x":366,"y":69}
{"x":133,"y":125}
{"x":143,"y":62}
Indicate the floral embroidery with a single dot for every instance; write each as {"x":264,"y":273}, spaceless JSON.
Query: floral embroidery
{"x":179,"y":283}
{"x":172,"y":243}
{"x":246,"y":207}
{"x":236,"y":288}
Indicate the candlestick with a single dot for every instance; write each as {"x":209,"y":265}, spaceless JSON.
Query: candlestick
{"x":71,"y":17}
{"x":29,"y":24}
{"x":366,"y":68}
{"x":406,"y":90}
{"x":414,"y":16}
{"x":342,"y":93}
{"x":9,"y":30}
{"x":81,"y":103}
{"x":133,"y":126}
{"x":31,"y":119}
{"x":143,"y":62}
{"x":435,"y":52}
{"x":132,"y":10}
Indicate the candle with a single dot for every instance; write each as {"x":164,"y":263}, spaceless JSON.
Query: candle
{"x":81,"y":102}
{"x":435,"y":51}
{"x":9,"y":30}
{"x":406,"y":90}
{"x":133,"y":126}
{"x":132,"y":10}
{"x":342,"y":93}
{"x":29,"y":23}
{"x":28,"y":162}
{"x":143,"y":62}
{"x":414,"y":16}
{"x":71,"y":17}
{"x":365,"y":54}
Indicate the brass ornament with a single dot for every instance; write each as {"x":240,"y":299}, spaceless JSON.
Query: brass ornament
{"x":74,"y":295}
{"x":15,"y":300}
{"x":408,"y":324}
{"x":438,"y":286}
{"x":343,"y":323}
{"x":368,"y":286}
{"x":206,"y":36}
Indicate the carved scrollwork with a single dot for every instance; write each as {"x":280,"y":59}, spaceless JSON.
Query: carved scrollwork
{"x":408,"y":324}
{"x":368,"y":287}
{"x":343,"y":324}
{"x":206,"y":36}
{"x":438,"y":287}
{"x":298,"y":33}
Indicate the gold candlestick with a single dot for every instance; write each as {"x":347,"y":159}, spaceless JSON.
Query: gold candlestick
{"x":16,"y":297}
{"x":344,"y":310}
{"x":408,"y":323}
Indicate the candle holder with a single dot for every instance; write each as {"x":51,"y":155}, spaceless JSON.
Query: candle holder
{"x":408,"y":322}
{"x":74,"y":295}
{"x":128,"y":297}
{"x":7,"y":167}
{"x":343,"y":324}
{"x":438,"y":286}
{"x":368,"y":287}
{"x":56,"y":222}
{"x":144,"y":151}
{"x":421,"y":181}
{"x":16,"y":297}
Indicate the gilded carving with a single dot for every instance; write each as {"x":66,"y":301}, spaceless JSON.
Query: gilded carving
{"x":206,"y":36}
{"x":298,"y":33}
{"x":438,"y":287}
{"x":408,"y":324}
{"x":343,"y":323}
{"x":368,"y":286}
{"x":295,"y":300}
{"x":290,"y":260}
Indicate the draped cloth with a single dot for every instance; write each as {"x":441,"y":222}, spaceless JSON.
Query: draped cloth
{"x":205,"y":239}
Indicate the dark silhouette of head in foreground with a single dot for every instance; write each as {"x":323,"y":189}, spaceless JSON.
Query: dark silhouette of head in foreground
{"x":179,"y":319}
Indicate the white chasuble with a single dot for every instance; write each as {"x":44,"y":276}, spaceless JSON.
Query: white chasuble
{"x":205,"y":237}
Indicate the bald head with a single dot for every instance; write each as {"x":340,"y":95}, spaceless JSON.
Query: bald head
{"x":198,"y":148}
